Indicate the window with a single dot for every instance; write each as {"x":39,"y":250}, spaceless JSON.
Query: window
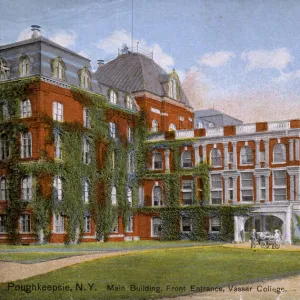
{"x":26,"y":145}
{"x":156,"y":227}
{"x":129,"y":196}
{"x":129,"y":102}
{"x":113,"y":159}
{"x":25,"y":223}
{"x":2,"y":223}
{"x":4,"y":147}
{"x":86,"y":191}
{"x":173,"y":88}
{"x":154,"y":126}
{"x":279,"y":185}
{"x":215,"y":224}
{"x":157,"y":161}
{"x":131,"y":165}
{"x":129,"y":225}
{"x":3,"y":189}
{"x":246,"y":155}
{"x":86,"y":118}
{"x":87,"y":224}
{"x":4,"y":69}
{"x":187,"y":192}
{"x":58,"y":111}
{"x":246,"y":186}
{"x":115,"y":223}
{"x":112,"y":130}
{"x":186,"y":224}
{"x":262,"y":156}
{"x":129,"y":134}
{"x":59,"y":69}
{"x":57,"y":146}
{"x":26,"y":188}
{"x":262,"y":188}
{"x":172,"y":127}
{"x":230,"y":157}
{"x":279,"y":153}
{"x":186,"y":159}
{"x":25,"y":108}
{"x":230,"y":189}
{"x":157,"y":196}
{"x":114,"y":196}
{"x":85,"y":79}
{"x":59,"y":225}
{"x":216,"y":157}
{"x":57,"y":188}
{"x":200,"y":124}
{"x":216,"y":189}
{"x":112,"y":97}
{"x":86,"y":151}
{"x":24,"y":66}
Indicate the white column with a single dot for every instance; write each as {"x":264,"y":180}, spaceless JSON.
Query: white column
{"x":297,"y":143}
{"x":291,"y":149}
{"x":236,"y":229}
{"x":266,"y":142}
{"x":234,"y":180}
{"x":257,"y":152}
{"x":234,"y":163}
{"x":225,"y":146}
{"x":226,"y":185}
{"x":292,"y":187}
{"x":257,"y":177}
{"x":197,"y":157}
{"x":297,"y":187}
{"x":204,"y":153}
{"x":167,"y":159}
{"x":288,"y":219}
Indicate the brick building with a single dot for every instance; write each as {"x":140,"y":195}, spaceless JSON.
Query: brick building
{"x":114,"y":155}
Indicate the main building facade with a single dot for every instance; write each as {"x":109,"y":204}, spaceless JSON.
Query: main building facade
{"x":113,"y":155}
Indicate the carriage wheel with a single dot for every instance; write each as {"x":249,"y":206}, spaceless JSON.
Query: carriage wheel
{"x":277,"y":245}
{"x":263,"y":244}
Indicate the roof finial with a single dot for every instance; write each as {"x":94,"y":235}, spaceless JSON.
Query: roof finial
{"x":36,"y":31}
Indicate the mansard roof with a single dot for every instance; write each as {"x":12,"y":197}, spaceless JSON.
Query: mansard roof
{"x":135,"y":72}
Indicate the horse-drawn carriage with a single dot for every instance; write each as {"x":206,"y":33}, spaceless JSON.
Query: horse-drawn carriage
{"x":265,"y":240}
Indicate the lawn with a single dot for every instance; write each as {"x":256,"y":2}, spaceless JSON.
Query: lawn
{"x":166,"y":272}
{"x":35,"y":257}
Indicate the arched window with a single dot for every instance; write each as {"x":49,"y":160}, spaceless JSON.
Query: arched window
{"x":112,"y":97}
{"x":86,"y":153}
{"x":24,"y":66}
{"x":157,"y":161}
{"x":59,"y":69}
{"x":154,"y":126}
{"x":216,"y":157}
{"x":85,"y":191}
{"x":3,"y":189}
{"x":279,"y":153}
{"x":246,"y":155}
{"x":26,"y":188}
{"x":114,"y":196}
{"x":129,"y":196}
{"x":131,"y":165}
{"x":25,"y":108}
{"x":173,"y":88}
{"x":85,"y":79}
{"x":186,"y":159}
{"x":157,"y":196}
{"x":129,"y":102}
{"x":172,"y":127}
{"x":57,"y":188}
{"x":4,"y":147}
{"x":4,"y":69}
{"x":26,"y":145}
{"x":156,"y":227}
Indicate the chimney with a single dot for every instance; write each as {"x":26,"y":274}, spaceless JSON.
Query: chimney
{"x":100,"y":63}
{"x":36,"y":31}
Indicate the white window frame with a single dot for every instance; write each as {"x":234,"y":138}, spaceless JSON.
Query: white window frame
{"x":131,"y":163}
{"x":25,"y":108}
{"x":182,"y":225}
{"x":113,"y":130}
{"x":3,"y":189}
{"x":57,"y":188}
{"x":58,"y":111}
{"x":112,"y":97}
{"x":24,"y":66}
{"x":230,"y":188}
{"x":26,"y":145}
{"x":279,"y":187}
{"x":27,"y":188}
{"x":245,"y":154}
{"x":58,"y":223}
{"x":114,"y":196}
{"x":216,"y":189}
{"x":57,"y":146}
{"x":129,"y":102}
{"x":86,"y":158}
{"x":129,"y":196}
{"x":283,"y":153}
{"x":214,"y":222}
{"x":155,"y":162}
{"x":246,"y":188}
{"x":86,"y":189}
{"x":25,"y":223}
{"x":59,"y":70}
{"x":216,"y":157}
{"x":153,"y":225}
{"x":188,"y":161}
{"x":187,"y":188}
{"x":262,"y":193}
{"x":130,"y":224}
{"x":86,"y":118}
{"x":154,"y":127}
{"x":155,"y":199}
{"x":4,"y":147}
{"x":129,"y":134}
{"x":85,"y":79}
{"x":87,"y":224}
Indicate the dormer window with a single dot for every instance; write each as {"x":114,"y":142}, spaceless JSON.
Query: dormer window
{"x":173,"y":88}
{"x":85,"y":79}
{"x":4,"y":70}
{"x":59,"y":68}
{"x":24,"y":66}
{"x":112,"y":97}
{"x":129,"y":102}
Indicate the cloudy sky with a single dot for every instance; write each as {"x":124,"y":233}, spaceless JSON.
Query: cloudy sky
{"x":240,"y":56}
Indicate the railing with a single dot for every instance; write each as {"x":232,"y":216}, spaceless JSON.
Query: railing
{"x":136,"y":49}
{"x":215,"y":131}
{"x":245,"y":128}
{"x":156,"y":137}
{"x":281,"y":125}
{"x":184,"y":134}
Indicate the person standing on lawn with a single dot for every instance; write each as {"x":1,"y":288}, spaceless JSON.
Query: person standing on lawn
{"x":253,"y":238}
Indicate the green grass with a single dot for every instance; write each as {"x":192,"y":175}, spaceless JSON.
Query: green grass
{"x":35,"y":257}
{"x":205,"y":266}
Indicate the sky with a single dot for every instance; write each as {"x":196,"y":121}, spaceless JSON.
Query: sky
{"x":238,"y":56}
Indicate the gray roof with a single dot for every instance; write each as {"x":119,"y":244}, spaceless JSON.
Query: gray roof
{"x":134,"y":72}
